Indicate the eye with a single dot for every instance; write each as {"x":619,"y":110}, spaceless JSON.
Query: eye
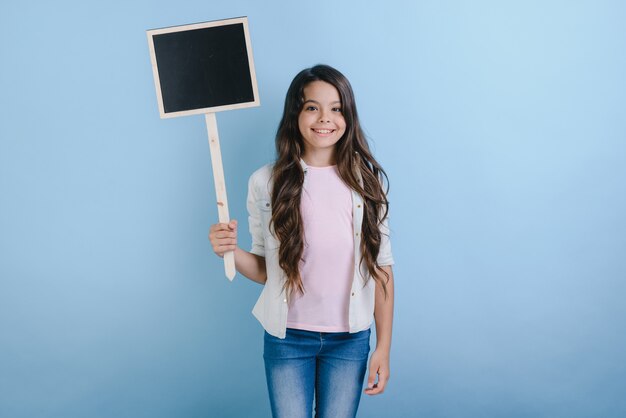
{"x":336,"y":109}
{"x":310,"y":108}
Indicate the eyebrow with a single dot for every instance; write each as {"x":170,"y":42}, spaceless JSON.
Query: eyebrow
{"x":316,"y":102}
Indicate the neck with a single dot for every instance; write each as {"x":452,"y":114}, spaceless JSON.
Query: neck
{"x":321,"y":158}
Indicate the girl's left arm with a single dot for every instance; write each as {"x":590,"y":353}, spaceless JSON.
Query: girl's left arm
{"x":383,"y":315}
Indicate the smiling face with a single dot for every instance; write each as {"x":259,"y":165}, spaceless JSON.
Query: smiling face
{"x":321,"y":123}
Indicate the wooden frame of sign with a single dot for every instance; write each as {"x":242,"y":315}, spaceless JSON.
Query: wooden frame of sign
{"x":205,"y":68}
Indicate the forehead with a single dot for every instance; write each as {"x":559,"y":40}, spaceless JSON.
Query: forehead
{"x":321,"y":91}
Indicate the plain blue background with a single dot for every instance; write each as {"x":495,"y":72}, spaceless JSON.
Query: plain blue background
{"x":502,"y":128}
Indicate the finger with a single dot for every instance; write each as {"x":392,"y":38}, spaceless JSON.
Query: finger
{"x":223,"y":242}
{"x":381,"y":384}
{"x":374,"y":391}
{"x":232,"y":225}
{"x":220,"y":246}
{"x":226,"y":248}
{"x":221,"y":249}
{"x":371,"y":380}
{"x":218,"y":227}
{"x":222,"y":234}
{"x":225,"y":234}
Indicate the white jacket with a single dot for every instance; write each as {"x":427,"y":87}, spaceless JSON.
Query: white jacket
{"x":272,"y":307}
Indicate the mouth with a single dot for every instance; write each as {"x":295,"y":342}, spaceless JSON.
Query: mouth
{"x":323,"y":131}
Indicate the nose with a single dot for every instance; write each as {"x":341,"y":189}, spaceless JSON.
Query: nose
{"x":324,"y":118}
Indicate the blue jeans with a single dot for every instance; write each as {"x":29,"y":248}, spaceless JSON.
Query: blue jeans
{"x":330,"y":365}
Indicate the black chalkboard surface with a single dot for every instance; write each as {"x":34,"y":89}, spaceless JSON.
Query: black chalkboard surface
{"x":203,"y":68}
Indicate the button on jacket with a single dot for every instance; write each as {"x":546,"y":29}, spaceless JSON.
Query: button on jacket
{"x":272,"y":306}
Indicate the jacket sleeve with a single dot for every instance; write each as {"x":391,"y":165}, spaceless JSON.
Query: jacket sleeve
{"x":385,"y":258}
{"x":254,"y":219}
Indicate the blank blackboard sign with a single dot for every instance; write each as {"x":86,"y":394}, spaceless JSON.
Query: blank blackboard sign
{"x":203,"y":68}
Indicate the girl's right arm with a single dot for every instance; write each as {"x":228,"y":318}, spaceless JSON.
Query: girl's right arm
{"x":223,"y":238}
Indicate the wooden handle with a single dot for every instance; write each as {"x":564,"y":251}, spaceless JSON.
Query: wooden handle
{"x":220,"y":187}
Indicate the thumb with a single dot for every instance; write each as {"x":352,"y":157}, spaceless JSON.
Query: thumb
{"x":233,"y":224}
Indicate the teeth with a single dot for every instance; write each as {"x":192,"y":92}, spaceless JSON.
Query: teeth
{"x":323,"y":131}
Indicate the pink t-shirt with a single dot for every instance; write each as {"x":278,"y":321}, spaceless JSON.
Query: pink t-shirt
{"x":326,"y":268}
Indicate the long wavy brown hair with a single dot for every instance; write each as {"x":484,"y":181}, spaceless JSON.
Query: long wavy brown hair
{"x":357,"y":168}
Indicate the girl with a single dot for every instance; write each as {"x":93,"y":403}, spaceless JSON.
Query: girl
{"x":320,"y":246}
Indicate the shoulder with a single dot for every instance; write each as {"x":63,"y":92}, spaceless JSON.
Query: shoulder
{"x":260,"y":180}
{"x":262,"y":175}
